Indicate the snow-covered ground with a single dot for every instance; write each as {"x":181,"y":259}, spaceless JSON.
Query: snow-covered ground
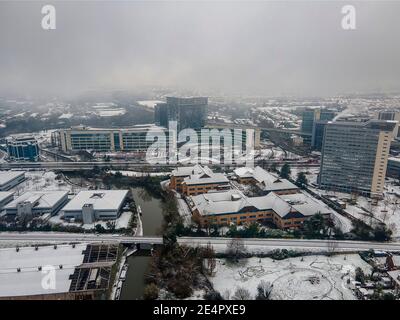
{"x":269,"y":152}
{"x":42,"y":181}
{"x":310,"y":277}
{"x":386,"y":210}
{"x":310,"y":172}
{"x":149,"y":103}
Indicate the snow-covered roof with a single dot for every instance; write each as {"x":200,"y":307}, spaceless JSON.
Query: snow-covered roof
{"x":306,"y":204}
{"x":187,"y":171}
{"x":269,"y":181}
{"x":206,"y":178}
{"x":101,"y":200}
{"x":199,"y":175}
{"x":29,"y":280}
{"x":140,"y":128}
{"x":7,"y":176}
{"x":244,"y":172}
{"x":41,"y":199}
{"x":233,"y":201}
{"x":394,"y":159}
{"x":4,"y":195}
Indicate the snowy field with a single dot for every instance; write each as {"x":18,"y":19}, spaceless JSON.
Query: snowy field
{"x":386,"y":210}
{"x":310,"y":172}
{"x":42,"y":181}
{"x":302,"y":278}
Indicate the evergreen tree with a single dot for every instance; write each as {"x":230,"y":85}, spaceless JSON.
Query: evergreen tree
{"x":301,"y":180}
{"x":285,"y":171}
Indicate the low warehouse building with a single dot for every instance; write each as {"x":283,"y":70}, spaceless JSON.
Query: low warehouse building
{"x":62,"y":272}
{"x":89,"y":206}
{"x":37,"y":203}
{"x":10,"y":179}
{"x":5,"y":198}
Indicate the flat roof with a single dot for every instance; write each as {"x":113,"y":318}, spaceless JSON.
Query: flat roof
{"x":4,"y":195}
{"x":394,"y":159}
{"x":7,"y":176}
{"x":29,"y":280}
{"x":138,"y":128}
{"x":43,"y":199}
{"x":101,"y":200}
{"x":187,"y":171}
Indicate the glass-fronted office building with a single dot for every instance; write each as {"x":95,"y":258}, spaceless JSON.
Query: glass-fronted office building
{"x":187,"y":112}
{"x":354,"y":156}
{"x":22,"y":148}
{"x":134,"y":139}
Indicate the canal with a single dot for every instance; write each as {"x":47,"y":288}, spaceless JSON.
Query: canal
{"x":152,"y":219}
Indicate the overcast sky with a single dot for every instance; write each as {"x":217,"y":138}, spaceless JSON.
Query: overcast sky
{"x":255,"y":48}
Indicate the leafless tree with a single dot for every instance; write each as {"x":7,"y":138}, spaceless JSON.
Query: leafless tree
{"x":331,"y":246}
{"x":227,"y":294}
{"x":235,"y":249}
{"x":209,"y":259}
{"x":241,"y":294}
{"x":264,"y":290}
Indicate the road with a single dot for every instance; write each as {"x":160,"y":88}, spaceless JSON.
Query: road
{"x":124,"y":165}
{"x":53,"y":237}
{"x":322,"y":245}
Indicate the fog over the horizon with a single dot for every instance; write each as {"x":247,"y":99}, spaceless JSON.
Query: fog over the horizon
{"x":251,"y":48}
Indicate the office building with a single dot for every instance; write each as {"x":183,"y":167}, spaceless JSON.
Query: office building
{"x":391,"y":116}
{"x":318,"y":134}
{"x":22,"y":148}
{"x":196,"y":180}
{"x":327,"y":114}
{"x":90,"y":206}
{"x":285,"y":211}
{"x":309,"y":116}
{"x":267,"y":181}
{"x":313,"y":121}
{"x":393,"y":168}
{"x":37,"y":203}
{"x":10,"y":179}
{"x":132,"y":139}
{"x":187,"y":112}
{"x":354,"y":156}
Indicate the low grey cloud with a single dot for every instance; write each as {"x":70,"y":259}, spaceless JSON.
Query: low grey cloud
{"x":239,"y":47}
